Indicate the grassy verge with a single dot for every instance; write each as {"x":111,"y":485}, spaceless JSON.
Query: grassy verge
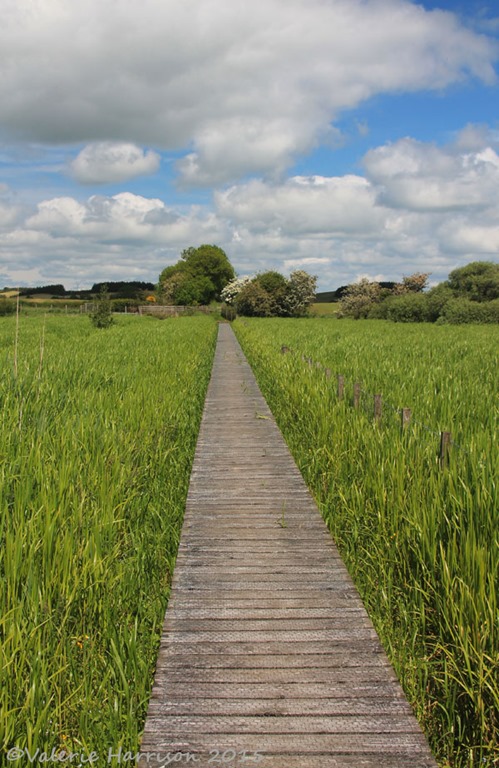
{"x":97,"y":437}
{"x":421,"y":544}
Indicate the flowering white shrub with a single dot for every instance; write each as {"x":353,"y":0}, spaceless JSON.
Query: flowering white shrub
{"x":231,"y":290}
{"x":269,"y":294}
{"x":300,"y":293}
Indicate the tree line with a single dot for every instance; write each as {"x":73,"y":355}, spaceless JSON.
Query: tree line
{"x":205,"y":274}
{"x":469,"y":295}
{"x":122,"y":289}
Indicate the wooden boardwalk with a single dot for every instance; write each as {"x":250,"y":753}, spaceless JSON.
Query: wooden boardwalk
{"x":267,"y":656}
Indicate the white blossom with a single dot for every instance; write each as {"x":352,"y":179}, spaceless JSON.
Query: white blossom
{"x":231,"y":290}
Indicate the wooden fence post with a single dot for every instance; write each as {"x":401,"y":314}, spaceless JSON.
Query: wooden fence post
{"x":341,"y":387}
{"x":405,"y":419}
{"x":377,"y":408}
{"x":356,"y":395}
{"x":445,"y":444}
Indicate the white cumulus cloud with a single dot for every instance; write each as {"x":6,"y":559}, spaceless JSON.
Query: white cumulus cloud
{"x":419,"y":207}
{"x":239,"y":87}
{"x":313,"y":205}
{"x":423,"y":177}
{"x":107,"y":162}
{"x":122,"y":218}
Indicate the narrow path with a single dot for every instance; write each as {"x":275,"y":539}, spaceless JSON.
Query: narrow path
{"x":267,"y":656}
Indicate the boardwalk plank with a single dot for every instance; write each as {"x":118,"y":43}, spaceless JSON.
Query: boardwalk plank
{"x":352,"y":689}
{"x":292,"y":743}
{"x":267,"y":655}
{"x":253,"y":651}
{"x":290,"y":706}
{"x":273,"y":660}
{"x":272,"y":723}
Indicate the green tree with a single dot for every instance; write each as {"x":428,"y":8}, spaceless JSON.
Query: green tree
{"x":194,"y":291}
{"x":462,"y":310}
{"x":102,"y":316}
{"x":209,"y":261}
{"x":168,"y":272}
{"x":411,"y":307}
{"x":436,"y":299}
{"x":276,"y":287}
{"x":253,"y":301}
{"x":477,"y":281}
{"x":198,"y":277}
{"x":171,"y":285}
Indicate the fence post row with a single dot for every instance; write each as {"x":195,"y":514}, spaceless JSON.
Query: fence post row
{"x":405,"y":413}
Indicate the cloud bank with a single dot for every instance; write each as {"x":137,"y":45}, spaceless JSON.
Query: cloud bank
{"x":238,"y":92}
{"x":240,"y":87}
{"x":418,"y":207}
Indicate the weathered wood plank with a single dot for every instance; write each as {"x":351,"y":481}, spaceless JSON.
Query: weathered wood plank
{"x":289,"y":706}
{"x":274,"y":660}
{"x":195,"y":613}
{"x":268,"y":656}
{"x":291,"y":743}
{"x":253,"y":586}
{"x":291,"y":676}
{"x":272,"y":723}
{"x":342,"y":621}
{"x":260,"y":602}
{"x":276,"y":648}
{"x":209,"y":758}
{"x":328,"y":636}
{"x":350,"y":689}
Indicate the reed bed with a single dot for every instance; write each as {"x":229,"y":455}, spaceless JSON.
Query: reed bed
{"x":421,"y":543}
{"x":97,"y":436}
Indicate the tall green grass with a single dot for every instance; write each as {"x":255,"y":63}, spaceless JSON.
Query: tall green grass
{"x":97,"y":436}
{"x":422,"y":544}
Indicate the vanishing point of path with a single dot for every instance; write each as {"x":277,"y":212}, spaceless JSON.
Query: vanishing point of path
{"x":267,"y":656}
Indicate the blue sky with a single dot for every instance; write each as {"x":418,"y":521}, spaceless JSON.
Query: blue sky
{"x":349,"y":138}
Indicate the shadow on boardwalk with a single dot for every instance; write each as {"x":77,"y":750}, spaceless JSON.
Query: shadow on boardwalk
{"x":267,"y":656}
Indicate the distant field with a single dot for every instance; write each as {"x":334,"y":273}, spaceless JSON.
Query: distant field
{"x":47,"y":301}
{"x":42,"y":300}
{"x":324,"y":309}
{"x":97,"y":436}
{"x":422,"y":543}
